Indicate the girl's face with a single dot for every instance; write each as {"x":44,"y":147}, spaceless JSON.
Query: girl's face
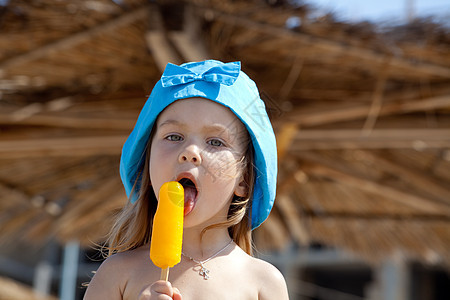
{"x":201,"y":144}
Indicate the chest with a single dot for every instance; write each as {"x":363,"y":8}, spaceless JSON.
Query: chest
{"x":225,"y":282}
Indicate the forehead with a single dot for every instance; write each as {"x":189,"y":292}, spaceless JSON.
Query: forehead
{"x":196,"y":111}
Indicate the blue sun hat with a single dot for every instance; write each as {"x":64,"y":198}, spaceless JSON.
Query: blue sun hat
{"x":225,"y":84}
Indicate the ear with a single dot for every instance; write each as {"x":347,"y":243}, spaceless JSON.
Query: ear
{"x":241,"y":189}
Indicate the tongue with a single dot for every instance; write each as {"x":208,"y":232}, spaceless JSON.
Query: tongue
{"x":189,"y":199}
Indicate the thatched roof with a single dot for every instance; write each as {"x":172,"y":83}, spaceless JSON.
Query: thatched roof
{"x":361,"y":116}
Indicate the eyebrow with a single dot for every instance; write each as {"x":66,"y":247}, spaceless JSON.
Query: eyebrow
{"x":214,"y":127}
{"x":171,"y":122}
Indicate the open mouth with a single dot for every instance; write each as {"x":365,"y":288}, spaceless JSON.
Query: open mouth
{"x":190,"y":194}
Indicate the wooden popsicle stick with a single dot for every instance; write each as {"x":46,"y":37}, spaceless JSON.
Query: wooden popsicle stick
{"x":165,"y":274}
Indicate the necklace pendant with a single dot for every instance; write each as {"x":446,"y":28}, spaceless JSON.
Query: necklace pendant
{"x":203,"y":272}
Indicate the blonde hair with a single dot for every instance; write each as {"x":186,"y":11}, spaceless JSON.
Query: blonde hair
{"x":133,"y":224}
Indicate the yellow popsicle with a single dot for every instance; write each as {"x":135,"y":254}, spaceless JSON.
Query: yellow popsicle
{"x":167,"y":232}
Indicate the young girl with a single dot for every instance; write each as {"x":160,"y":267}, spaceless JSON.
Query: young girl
{"x":205,"y":126}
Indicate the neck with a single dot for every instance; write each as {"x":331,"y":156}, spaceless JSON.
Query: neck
{"x":202,"y":247}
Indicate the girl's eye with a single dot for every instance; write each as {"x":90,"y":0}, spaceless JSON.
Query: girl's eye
{"x":215,"y":143}
{"x":174,"y":138}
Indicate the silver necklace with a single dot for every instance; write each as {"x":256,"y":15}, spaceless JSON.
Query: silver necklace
{"x":203,"y":270}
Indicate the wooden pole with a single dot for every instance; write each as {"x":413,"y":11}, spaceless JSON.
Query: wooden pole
{"x":165,"y":274}
{"x":377,"y":100}
{"x":345,"y":113}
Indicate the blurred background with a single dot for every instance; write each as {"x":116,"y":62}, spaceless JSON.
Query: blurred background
{"x":358,"y":93}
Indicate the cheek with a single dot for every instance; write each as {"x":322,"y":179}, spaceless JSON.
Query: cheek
{"x":162,"y":152}
{"x":221,"y":165}
{"x":158,"y":166}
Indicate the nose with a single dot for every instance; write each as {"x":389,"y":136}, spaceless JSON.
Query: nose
{"x":190,"y":154}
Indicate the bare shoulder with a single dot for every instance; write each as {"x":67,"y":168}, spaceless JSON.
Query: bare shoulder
{"x":111,"y":277}
{"x":271,"y":283}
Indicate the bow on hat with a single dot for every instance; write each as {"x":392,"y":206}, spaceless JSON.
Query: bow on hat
{"x":225,"y":74}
